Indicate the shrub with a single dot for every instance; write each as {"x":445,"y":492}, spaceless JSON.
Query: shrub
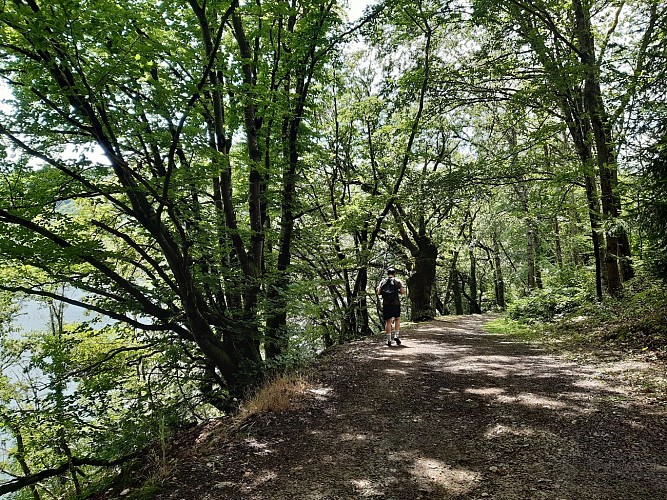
{"x":277,"y":394}
{"x":546,"y":304}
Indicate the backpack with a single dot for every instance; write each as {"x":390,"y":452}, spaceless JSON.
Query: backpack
{"x":389,"y":290}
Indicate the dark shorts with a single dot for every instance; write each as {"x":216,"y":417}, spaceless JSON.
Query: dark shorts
{"x":391,"y":311}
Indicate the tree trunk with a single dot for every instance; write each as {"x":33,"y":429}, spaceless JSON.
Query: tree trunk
{"x":361,"y":302}
{"x":451,"y":281}
{"x":420,"y":283}
{"x":475,"y":307}
{"x":498,"y":274}
{"x":596,"y":233}
{"x":606,"y":156}
{"x":558,"y":249}
{"x":537,"y":246}
{"x":579,"y":128}
{"x":534,"y":279}
{"x":20,"y":458}
{"x":456,"y":291}
{"x":438,"y":303}
{"x":530,"y":251}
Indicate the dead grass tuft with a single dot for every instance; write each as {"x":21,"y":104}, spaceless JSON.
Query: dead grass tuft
{"x":278,"y":394}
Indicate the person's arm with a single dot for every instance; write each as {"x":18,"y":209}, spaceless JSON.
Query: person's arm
{"x":379,"y":287}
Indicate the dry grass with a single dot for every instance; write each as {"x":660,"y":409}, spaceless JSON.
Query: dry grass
{"x":278,"y":394}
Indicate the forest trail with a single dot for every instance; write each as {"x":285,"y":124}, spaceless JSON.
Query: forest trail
{"x":452,"y":413}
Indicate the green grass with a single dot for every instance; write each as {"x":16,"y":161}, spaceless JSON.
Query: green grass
{"x":511,"y":327}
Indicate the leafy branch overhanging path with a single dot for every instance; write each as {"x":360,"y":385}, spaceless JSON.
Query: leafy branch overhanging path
{"x":453,"y":413}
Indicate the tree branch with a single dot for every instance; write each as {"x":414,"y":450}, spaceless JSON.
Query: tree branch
{"x":21,"y":482}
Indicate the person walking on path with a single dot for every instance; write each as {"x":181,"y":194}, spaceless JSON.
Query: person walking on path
{"x":391,"y":289}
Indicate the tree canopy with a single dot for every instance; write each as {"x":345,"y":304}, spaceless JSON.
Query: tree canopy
{"x":221,"y":184}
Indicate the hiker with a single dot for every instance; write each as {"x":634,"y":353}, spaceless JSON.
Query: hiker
{"x":391,"y":289}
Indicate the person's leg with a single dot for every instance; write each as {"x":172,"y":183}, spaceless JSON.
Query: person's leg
{"x":397,"y":329}
{"x":387,"y":330}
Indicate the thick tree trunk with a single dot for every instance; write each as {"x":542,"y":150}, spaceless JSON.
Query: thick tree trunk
{"x":624,"y":252}
{"x":579,"y":128}
{"x":453,"y":291}
{"x":421,"y":282}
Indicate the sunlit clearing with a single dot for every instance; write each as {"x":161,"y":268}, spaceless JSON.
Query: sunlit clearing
{"x":500,"y":366}
{"x":321,"y":392}
{"x":526,"y":399}
{"x":600,"y":384}
{"x":534,"y":400}
{"x":486,"y":391}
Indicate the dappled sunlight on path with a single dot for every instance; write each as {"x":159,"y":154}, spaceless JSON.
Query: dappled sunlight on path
{"x":451,"y":413}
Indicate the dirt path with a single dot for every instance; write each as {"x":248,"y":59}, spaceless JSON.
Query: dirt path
{"x":452,"y":413}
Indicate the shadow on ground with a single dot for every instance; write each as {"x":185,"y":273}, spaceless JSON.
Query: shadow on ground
{"x":452,"y":413}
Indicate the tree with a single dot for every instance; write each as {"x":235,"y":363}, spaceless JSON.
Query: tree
{"x":647,"y":133}
{"x":562,"y":42}
{"x":166,"y":227}
{"x":64,"y":392}
{"x":653,"y":210}
{"x":421,"y":148}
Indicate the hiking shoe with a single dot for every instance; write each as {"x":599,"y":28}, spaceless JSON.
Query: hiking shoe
{"x":398,"y":341}
{"x":389,"y":343}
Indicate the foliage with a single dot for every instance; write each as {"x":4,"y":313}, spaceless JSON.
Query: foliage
{"x":160,"y":177}
{"x":504,"y":325}
{"x":563,"y":292}
{"x":225,"y":182}
{"x":653,"y":212}
{"x":547,"y":304}
{"x":634,"y":322}
{"x":83,"y":392}
{"x":638,"y":321}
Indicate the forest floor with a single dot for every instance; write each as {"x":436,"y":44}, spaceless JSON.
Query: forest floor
{"x":454,"y":412}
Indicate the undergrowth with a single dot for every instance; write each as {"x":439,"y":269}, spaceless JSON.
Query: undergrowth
{"x":634,"y":322}
{"x":146,"y":478}
{"x":278,"y":394}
